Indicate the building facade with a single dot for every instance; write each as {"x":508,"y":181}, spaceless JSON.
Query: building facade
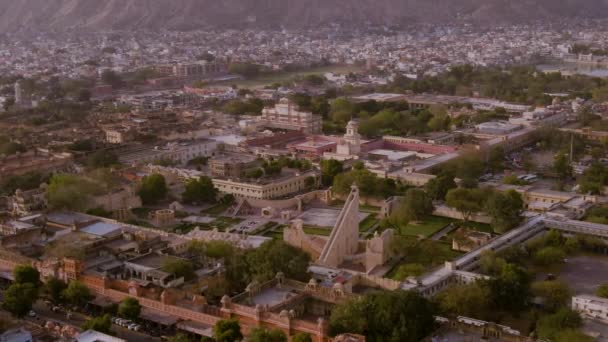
{"x":284,"y":186}
{"x":285,"y":115}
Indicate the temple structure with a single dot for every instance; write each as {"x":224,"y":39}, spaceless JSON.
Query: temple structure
{"x":343,"y":248}
{"x":344,"y":238}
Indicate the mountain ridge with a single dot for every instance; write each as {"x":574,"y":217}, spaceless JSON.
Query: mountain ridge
{"x":190,"y":14}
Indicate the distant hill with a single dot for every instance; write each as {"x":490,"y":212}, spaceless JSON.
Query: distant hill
{"x":187,"y":14}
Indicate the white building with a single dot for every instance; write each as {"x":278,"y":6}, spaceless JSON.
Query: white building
{"x":591,"y":307}
{"x":96,"y":336}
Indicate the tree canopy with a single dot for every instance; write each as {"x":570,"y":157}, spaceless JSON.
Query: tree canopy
{"x":129,"y":308}
{"x":200,"y":190}
{"x":19,"y":298}
{"x":153,"y":189}
{"x":505,"y":209}
{"x":467,"y":201}
{"x":77,"y":293}
{"x":415,"y":205}
{"x":267,"y":335}
{"x":227,"y":331}
{"x":26,"y":274}
{"x":399,"y":316}
{"x":103,"y":324}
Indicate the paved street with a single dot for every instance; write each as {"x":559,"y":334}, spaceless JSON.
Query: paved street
{"x":44,"y":314}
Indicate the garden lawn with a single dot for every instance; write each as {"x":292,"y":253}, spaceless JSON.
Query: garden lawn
{"x":313,"y":230}
{"x":367,"y":223}
{"x":426,"y":228}
{"x":223,"y":222}
{"x":217,"y":209}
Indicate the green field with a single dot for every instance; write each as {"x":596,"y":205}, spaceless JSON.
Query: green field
{"x":222,"y":222}
{"x":433,"y":224}
{"x":313,"y":230}
{"x":367,"y":223}
{"x":217,"y":209}
{"x":426,"y":228}
{"x":427,"y":253}
{"x":279,"y":77}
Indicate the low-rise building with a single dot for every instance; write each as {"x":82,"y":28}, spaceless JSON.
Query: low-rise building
{"x":591,"y":306}
{"x":288,"y":183}
{"x":232,"y":165}
{"x":37,"y":160}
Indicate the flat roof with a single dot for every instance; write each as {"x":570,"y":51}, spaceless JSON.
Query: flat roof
{"x":96,"y":336}
{"x":393,"y":155}
{"x":102,"y":229}
{"x":67,"y":218}
{"x":231,"y":139}
{"x":380,"y":97}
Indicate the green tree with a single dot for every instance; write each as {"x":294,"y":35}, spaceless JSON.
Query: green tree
{"x":227,"y":331}
{"x":26,"y":274}
{"x":556,"y":294}
{"x":301,"y":337}
{"x":399,"y":316}
{"x":102,"y":159}
{"x":594,"y":179}
{"x":19,"y":298}
{"x":341,"y":111}
{"x":505,"y":209}
{"x":548,"y":327}
{"x":466,"y":201}
{"x":129,"y":308}
{"x":571,"y":335}
{"x":562,"y":167}
{"x":179,"y":267}
{"x":438,"y":187}
{"x":200,"y":190}
{"x":276,"y":256}
{"x":548,"y":256}
{"x":267,"y":335}
{"x":470,"y":300}
{"x":329,"y":170}
{"x":602,"y":291}
{"x":310,"y":182}
{"x":496,"y":159}
{"x":414,"y":207}
{"x":153,"y":189}
{"x":54,"y":288}
{"x":490,"y":263}
{"x":103,"y":324}
{"x":72,"y":192}
{"x":510,"y":289}
{"x":77,"y":293}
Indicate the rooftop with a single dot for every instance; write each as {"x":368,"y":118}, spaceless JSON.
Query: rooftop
{"x":96,"y":336}
{"x":102,"y":229}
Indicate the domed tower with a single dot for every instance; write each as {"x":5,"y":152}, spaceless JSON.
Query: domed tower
{"x":352,"y":137}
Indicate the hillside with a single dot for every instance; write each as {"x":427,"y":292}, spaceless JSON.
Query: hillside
{"x":186,"y":14}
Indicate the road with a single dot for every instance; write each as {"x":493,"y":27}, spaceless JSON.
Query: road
{"x":44,"y":314}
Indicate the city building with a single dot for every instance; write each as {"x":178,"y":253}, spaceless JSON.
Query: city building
{"x":285,"y":115}
{"x":38,"y":160}
{"x":288,"y":183}
{"x":232,"y":165}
